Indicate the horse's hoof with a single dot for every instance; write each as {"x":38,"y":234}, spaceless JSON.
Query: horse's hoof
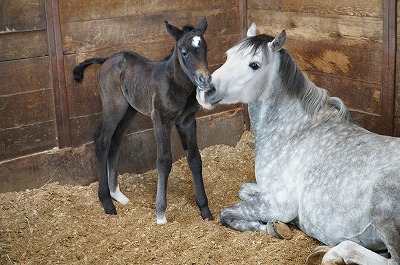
{"x":315,"y":257}
{"x":111,"y":211}
{"x":279,"y":230}
{"x":206,"y":214}
{"x":109,"y":208}
{"x":161,"y":219}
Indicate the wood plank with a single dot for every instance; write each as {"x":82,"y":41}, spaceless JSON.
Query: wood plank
{"x":360,"y":8}
{"x":24,"y":75}
{"x":75,"y":10}
{"x":84,"y":99}
{"x":77,"y":166}
{"x":372,"y":123}
{"x":24,"y":140}
{"x":94,"y":35}
{"x":358,"y":95}
{"x":26,"y":108}
{"x":83,"y":128}
{"x":361,"y":32}
{"x":20,"y":45}
{"x":333,"y":59}
{"x":21,"y":15}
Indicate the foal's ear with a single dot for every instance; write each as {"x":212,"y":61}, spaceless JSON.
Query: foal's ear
{"x":278,"y":42}
{"x":251,"y":32}
{"x":202,"y":26}
{"x":173,"y":31}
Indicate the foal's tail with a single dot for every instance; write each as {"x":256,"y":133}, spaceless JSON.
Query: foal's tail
{"x":78,"y":70}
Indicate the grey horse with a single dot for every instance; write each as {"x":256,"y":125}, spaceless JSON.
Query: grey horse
{"x":314,"y":166}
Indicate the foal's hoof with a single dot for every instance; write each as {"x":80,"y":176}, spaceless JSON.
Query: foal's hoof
{"x":315,"y":257}
{"x":110,"y":209}
{"x":206,"y":214}
{"x":279,"y":230}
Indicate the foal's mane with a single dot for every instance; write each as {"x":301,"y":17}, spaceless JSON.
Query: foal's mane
{"x":186,"y":28}
{"x":294,"y":81}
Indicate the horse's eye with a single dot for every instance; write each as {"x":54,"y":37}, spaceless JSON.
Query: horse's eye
{"x":185,"y":54}
{"x":254,"y":66}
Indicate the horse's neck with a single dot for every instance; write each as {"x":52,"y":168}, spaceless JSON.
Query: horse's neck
{"x":269,"y":117}
{"x":177,"y":75}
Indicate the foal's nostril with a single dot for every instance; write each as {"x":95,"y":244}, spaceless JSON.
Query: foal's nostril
{"x":204,"y":80}
{"x":201,"y":79}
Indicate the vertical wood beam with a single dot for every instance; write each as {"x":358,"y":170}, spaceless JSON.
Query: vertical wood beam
{"x":389,"y":65}
{"x":243,"y":31}
{"x":57,"y":73}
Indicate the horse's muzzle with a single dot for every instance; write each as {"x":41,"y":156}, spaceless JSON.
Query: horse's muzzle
{"x":206,"y":97}
{"x":203,"y":81}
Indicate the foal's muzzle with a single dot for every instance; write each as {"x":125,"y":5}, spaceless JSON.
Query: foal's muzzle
{"x":203,"y":81}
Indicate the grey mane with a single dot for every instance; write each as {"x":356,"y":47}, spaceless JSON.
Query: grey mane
{"x":295,"y":82}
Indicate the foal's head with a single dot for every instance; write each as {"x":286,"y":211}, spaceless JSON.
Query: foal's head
{"x":191,"y":49}
{"x":250,"y":66}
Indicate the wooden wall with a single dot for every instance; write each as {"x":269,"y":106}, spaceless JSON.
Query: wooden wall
{"x":101,"y":28}
{"x":340,"y":45}
{"x":27,"y":118}
{"x":47,"y":120}
{"x":397,"y":71}
{"x":51,"y":119}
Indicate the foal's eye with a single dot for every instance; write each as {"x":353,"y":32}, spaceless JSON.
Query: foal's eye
{"x":185,"y":54}
{"x":254,"y":66}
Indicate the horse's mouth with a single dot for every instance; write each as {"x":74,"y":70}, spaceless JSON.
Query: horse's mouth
{"x":205,"y":97}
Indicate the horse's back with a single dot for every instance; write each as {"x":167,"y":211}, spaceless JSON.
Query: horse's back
{"x":130,"y":75}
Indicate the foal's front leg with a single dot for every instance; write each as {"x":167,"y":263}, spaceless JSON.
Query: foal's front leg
{"x":187,"y":134}
{"x":164,"y":165}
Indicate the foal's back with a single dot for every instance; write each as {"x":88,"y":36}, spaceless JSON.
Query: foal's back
{"x":128,"y":76}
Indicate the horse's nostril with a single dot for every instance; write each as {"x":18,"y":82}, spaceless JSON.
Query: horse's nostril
{"x":211,"y":91}
{"x":201,"y":79}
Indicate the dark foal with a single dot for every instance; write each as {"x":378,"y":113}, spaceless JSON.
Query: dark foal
{"x":165,"y":90}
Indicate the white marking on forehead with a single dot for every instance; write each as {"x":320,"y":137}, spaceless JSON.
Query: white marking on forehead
{"x":195,"y":41}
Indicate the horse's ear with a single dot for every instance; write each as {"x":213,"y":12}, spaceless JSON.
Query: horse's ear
{"x":251,"y":32}
{"x":202,"y":26}
{"x":173,"y":31}
{"x":278,"y":42}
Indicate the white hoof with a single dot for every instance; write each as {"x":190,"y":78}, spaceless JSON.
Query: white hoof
{"x":119,"y":197}
{"x":161,"y":220}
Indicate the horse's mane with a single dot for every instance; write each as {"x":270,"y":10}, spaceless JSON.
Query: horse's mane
{"x":294,"y":81}
{"x":185,"y":28}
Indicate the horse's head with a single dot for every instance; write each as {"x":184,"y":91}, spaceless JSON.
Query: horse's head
{"x":191,"y":49}
{"x":250,"y":67}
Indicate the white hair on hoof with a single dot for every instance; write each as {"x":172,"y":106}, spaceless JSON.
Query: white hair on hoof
{"x":119,"y":196}
{"x":161,"y":220}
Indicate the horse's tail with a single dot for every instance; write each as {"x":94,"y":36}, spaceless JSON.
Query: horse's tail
{"x":79,"y":69}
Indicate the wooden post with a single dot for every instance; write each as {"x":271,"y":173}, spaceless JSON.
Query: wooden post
{"x":389,"y":65}
{"x":57,"y":73}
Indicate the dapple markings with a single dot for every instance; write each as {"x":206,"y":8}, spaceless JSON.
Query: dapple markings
{"x":164,"y":90}
{"x":314,"y":167}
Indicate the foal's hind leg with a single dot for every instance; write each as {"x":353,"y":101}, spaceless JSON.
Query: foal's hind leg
{"x":113,"y":155}
{"x":112,"y":114}
{"x":187,"y":134}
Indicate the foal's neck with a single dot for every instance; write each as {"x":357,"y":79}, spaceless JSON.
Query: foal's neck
{"x":178,"y":75}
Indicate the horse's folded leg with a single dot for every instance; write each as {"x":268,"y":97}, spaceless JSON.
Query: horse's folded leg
{"x":315,"y":257}
{"x":279,"y":230}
